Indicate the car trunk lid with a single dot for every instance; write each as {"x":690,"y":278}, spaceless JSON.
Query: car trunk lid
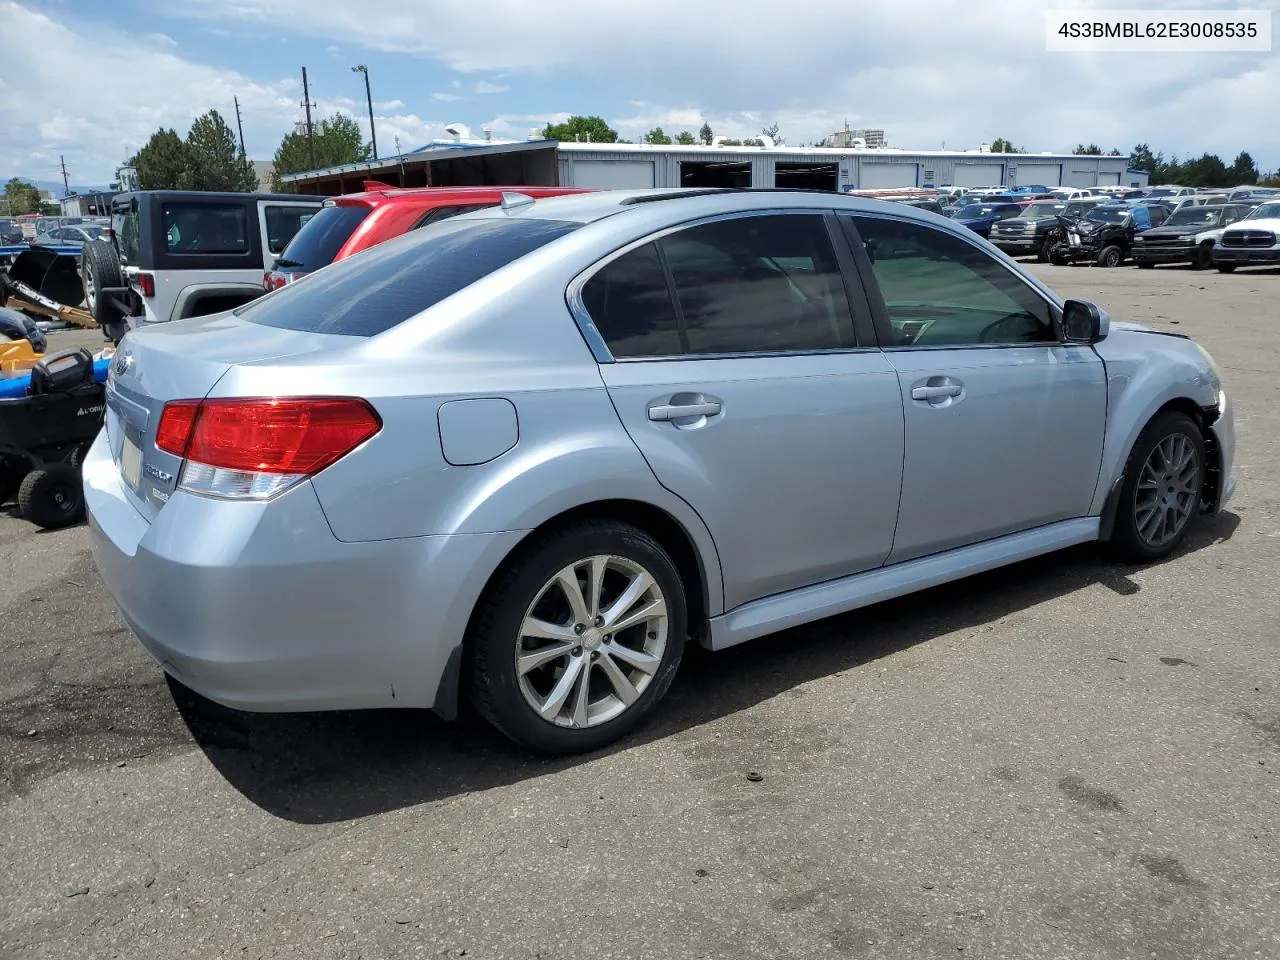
{"x":181,"y":361}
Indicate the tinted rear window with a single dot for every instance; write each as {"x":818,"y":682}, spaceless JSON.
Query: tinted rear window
{"x":321,"y":237}
{"x":386,"y":285}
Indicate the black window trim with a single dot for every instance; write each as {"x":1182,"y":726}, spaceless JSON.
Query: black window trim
{"x":880,"y":312}
{"x":861,"y":318}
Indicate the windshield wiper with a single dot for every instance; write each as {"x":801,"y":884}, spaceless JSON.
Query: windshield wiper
{"x":282,"y":262}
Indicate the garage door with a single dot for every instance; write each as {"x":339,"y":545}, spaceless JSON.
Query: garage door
{"x":875,"y":175}
{"x":613,"y":174}
{"x":1048,"y":174}
{"x":1108,"y":179}
{"x":1082,"y":177}
{"x":979,"y":174}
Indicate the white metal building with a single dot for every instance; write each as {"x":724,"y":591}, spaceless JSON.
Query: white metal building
{"x":834,"y":168}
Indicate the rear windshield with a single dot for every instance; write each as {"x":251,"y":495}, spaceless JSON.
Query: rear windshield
{"x":321,"y":237}
{"x":386,"y":285}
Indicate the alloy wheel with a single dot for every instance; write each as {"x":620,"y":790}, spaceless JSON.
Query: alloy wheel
{"x":591,"y":641}
{"x":1167,"y":491}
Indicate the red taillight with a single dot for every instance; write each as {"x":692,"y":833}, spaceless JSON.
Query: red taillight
{"x":297,"y":435}
{"x":146,"y":284}
{"x":174,"y":430}
{"x":266,"y":281}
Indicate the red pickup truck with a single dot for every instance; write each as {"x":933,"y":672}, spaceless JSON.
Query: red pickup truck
{"x":349,"y":224}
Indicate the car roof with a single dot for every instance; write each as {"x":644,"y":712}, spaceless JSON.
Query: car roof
{"x":441,"y":196}
{"x":656,"y":207}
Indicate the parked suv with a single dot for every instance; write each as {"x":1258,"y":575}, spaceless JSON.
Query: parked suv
{"x":1034,"y":230}
{"x":346,"y":225}
{"x":1105,"y":235}
{"x":175,"y":254}
{"x":1254,"y":241}
{"x":1188,"y":236}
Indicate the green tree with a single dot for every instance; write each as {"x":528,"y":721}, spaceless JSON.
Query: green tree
{"x":1092,"y":150}
{"x":162,"y":163}
{"x":773,"y":134}
{"x":1001,"y":145}
{"x":22,"y":197}
{"x":1206,"y":171}
{"x":338,"y":140}
{"x":213,"y":159}
{"x":1244,"y":170}
{"x":586,"y":129}
{"x":1114,"y":152}
{"x":730,"y":143}
{"x":685,"y":138}
{"x":1141,"y":158}
{"x":705,"y":136}
{"x":657,"y":136}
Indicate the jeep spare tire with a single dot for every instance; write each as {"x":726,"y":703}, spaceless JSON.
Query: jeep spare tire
{"x":101,"y":270}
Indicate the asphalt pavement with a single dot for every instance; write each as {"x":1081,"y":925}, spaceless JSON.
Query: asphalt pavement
{"x":1069,"y":758}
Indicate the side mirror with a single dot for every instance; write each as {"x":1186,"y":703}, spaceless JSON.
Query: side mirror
{"x":1083,"y":322}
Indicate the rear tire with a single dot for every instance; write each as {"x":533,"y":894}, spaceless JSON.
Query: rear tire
{"x":52,"y":497}
{"x":1227,"y":267}
{"x":542,"y":706}
{"x":1163,"y":483}
{"x":100,"y":268}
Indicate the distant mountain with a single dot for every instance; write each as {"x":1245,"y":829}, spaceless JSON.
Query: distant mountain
{"x":55,"y":186}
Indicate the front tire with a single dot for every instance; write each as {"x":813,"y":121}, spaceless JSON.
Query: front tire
{"x":1160,"y":496}
{"x":1110,"y":256}
{"x":578,"y":637}
{"x":1202,"y":259}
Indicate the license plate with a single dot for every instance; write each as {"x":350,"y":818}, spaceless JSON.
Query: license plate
{"x":1074,"y":240}
{"x":131,"y":462}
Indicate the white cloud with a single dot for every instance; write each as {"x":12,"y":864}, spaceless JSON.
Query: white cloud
{"x":446,"y":97}
{"x":924,"y":70}
{"x":484,"y":87}
{"x":161,"y":38}
{"x":388,"y":104}
{"x":49,"y":110}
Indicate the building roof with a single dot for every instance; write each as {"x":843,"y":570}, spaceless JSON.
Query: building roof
{"x":643,"y":148}
{"x":434,"y":150}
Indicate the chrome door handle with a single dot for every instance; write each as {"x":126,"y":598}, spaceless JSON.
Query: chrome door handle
{"x":679,"y":411}
{"x":935,"y":393}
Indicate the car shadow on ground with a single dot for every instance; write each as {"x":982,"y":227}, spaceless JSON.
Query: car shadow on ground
{"x":329,"y":767}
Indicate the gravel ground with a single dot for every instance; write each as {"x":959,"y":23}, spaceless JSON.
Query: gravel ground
{"x":1063,"y":759}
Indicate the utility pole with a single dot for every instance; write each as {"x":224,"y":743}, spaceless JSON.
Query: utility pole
{"x":306,"y":103}
{"x":66,"y":188}
{"x":368,"y":94}
{"x":240,"y":127}
{"x":400,"y":157}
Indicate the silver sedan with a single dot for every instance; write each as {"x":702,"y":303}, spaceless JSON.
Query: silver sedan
{"x":524,"y":454}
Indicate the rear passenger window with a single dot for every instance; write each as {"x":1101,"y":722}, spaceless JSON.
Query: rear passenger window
{"x":631,"y":306}
{"x":205,"y":228}
{"x":762,"y":284}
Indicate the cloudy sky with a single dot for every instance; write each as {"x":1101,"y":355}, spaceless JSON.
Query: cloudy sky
{"x":92,"y":80}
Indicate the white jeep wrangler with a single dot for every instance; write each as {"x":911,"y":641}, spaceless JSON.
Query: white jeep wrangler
{"x":174,"y":254}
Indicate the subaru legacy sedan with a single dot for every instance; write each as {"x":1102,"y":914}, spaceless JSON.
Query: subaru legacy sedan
{"x":524,"y":454}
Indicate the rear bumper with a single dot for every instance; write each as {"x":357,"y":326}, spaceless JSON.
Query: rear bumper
{"x":1246,"y":255}
{"x":259,"y":607}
